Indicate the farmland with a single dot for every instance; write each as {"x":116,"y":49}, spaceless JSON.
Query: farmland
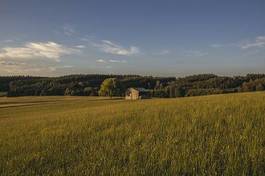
{"x":206,"y":135}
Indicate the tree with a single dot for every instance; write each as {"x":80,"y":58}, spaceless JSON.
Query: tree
{"x":180,"y":92}
{"x":12,"y":89}
{"x":67,"y":91}
{"x":108,"y":87}
{"x":88,"y":91}
{"x":260,"y":87}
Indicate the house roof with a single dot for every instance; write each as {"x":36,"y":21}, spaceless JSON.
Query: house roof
{"x":140,"y":89}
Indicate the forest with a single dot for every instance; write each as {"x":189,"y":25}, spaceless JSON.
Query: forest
{"x":164,"y":87}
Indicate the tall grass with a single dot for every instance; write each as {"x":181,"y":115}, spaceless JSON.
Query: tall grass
{"x":210,"y":135}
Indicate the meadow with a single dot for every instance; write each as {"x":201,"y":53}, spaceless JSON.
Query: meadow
{"x":207,"y":135}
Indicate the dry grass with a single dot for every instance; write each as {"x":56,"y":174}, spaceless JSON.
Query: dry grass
{"x":210,"y":135}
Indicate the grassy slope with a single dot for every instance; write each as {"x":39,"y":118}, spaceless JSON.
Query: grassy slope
{"x":211,"y":135}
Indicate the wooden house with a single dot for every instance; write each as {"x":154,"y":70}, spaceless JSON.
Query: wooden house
{"x":137,"y":94}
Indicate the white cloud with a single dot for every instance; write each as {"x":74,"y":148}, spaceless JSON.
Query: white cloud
{"x":17,"y":68}
{"x":259,"y":42}
{"x":117,"y":61}
{"x":112,"y":48}
{"x":195,"y":53}
{"x":101,"y":61}
{"x":11,"y":63}
{"x":260,"y":38}
{"x":29,"y":51}
{"x":29,"y":68}
{"x":252,"y":45}
{"x":80,"y":46}
{"x":55,"y":68}
{"x":110,"y":61}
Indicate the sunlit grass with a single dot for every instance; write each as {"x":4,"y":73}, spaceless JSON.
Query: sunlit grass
{"x":209,"y":135}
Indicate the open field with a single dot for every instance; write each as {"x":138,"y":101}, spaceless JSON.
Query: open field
{"x":209,"y":135}
{"x":3,"y":94}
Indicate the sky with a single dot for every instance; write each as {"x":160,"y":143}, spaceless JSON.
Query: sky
{"x":145,"y":37}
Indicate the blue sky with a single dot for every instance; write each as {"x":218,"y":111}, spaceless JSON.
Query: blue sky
{"x":158,"y":37}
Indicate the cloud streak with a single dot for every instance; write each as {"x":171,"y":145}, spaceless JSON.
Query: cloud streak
{"x":101,"y":61}
{"x":80,"y":46}
{"x":110,"y":61}
{"x":117,"y":61}
{"x":32,"y":50}
{"x":14,"y":68}
{"x":115,"y":49}
{"x":259,"y":42}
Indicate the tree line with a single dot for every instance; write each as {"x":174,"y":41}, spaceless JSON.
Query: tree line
{"x":116,"y":85}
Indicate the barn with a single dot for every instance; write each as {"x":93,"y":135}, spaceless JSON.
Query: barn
{"x":137,"y":94}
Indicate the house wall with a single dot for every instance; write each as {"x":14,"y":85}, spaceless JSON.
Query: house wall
{"x":134,"y":95}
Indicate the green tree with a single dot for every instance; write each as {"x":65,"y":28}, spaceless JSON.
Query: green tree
{"x":67,"y":91}
{"x":260,"y":87}
{"x":180,"y":92}
{"x":108,"y":87}
{"x":88,"y":91}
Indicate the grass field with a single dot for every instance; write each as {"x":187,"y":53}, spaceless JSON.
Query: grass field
{"x":3,"y":94}
{"x":209,"y":135}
